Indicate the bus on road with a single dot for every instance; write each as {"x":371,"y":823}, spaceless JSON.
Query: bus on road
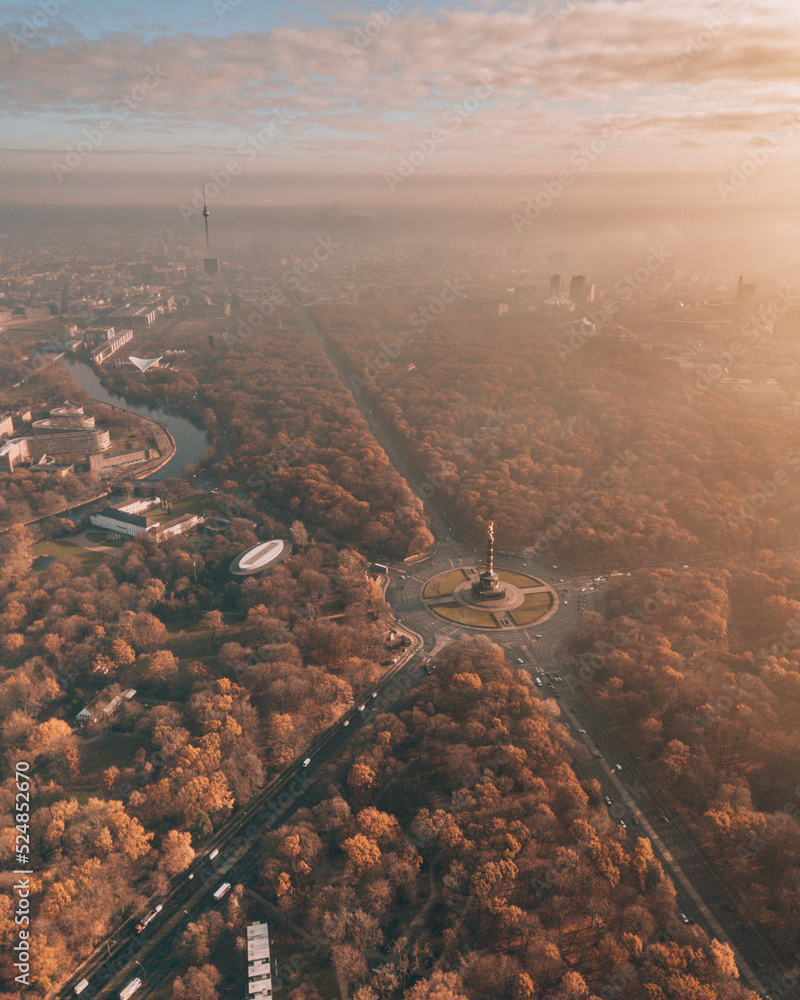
{"x":130,"y":989}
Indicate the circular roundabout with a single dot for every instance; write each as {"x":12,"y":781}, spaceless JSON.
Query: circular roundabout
{"x":510,"y":600}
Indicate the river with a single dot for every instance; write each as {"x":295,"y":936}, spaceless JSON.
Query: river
{"x":190,"y":441}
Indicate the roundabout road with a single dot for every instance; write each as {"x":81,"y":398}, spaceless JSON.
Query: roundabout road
{"x":540,"y":648}
{"x":232,"y":853}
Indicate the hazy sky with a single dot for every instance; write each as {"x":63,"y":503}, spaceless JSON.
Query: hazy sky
{"x":582,"y":86}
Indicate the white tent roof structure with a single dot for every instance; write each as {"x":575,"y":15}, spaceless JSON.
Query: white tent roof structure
{"x":144,"y":363}
{"x":261,"y":557}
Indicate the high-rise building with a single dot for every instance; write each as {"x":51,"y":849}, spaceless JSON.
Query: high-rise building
{"x":577,"y":289}
{"x":556,"y":285}
{"x":210,"y":266}
{"x":745,"y":298}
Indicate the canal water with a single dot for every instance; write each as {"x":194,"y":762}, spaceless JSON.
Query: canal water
{"x":190,"y":441}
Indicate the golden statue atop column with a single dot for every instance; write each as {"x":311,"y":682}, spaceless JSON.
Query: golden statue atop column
{"x":488,"y":586}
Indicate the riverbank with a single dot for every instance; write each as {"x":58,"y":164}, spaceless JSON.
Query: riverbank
{"x":180,"y":441}
{"x":164,"y":442}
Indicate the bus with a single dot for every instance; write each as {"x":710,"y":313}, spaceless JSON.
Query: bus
{"x":80,"y":987}
{"x":150,"y":916}
{"x":379,"y":568}
{"x":222,"y":890}
{"x":130,"y":989}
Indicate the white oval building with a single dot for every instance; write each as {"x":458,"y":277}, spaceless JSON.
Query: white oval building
{"x":261,"y":557}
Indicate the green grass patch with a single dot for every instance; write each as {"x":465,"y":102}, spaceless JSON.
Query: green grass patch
{"x":534,"y":607}
{"x":82,"y":795}
{"x":192,"y":503}
{"x":61,"y":548}
{"x":465,"y":616}
{"x":444,"y":585}
{"x":521,"y":580}
{"x":111,"y":749}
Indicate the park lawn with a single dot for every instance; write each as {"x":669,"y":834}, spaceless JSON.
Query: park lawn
{"x":534,"y":607}
{"x":303,"y":961}
{"x":444,"y":585}
{"x":109,"y":749}
{"x":465,"y":616}
{"x":83,"y":794}
{"x":192,"y":503}
{"x":61,"y":548}
{"x":521,"y":580}
{"x":50,"y":385}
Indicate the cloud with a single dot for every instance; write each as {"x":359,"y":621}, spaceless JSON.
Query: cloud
{"x":675,"y":73}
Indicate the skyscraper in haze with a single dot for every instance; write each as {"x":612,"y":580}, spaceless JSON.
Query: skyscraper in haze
{"x":577,"y":289}
{"x":745,"y":299}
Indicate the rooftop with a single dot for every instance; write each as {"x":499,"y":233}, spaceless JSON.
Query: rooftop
{"x":260,"y":557}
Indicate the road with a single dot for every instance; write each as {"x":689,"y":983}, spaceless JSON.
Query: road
{"x":702,"y":894}
{"x":232,"y":854}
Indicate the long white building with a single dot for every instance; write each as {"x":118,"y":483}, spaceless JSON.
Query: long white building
{"x":259,"y":970}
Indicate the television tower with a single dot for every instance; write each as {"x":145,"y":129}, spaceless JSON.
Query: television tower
{"x":205,"y":212}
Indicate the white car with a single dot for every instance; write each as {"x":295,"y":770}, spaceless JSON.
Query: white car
{"x":520,"y":660}
{"x":306,"y":762}
{"x":537,"y":681}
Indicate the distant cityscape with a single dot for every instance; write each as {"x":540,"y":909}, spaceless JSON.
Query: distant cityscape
{"x":718,"y":329}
